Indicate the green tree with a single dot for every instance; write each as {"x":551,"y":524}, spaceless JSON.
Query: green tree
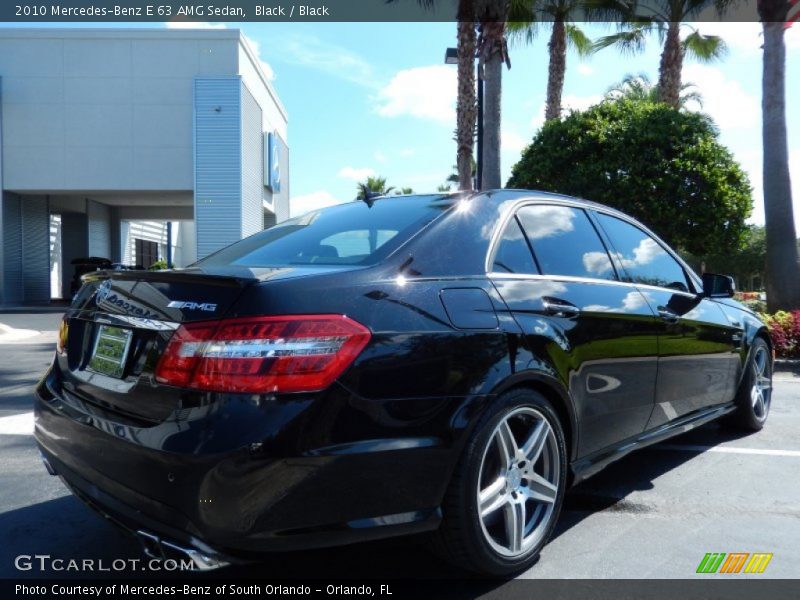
{"x":783,"y":263}
{"x":373,"y":186}
{"x":639,"y":87}
{"x":638,"y":19}
{"x":746,"y":265}
{"x":526,"y":19}
{"x":663,"y":166}
{"x":405,"y":191}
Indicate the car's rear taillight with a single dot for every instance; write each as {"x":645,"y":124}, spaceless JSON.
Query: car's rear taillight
{"x":297,"y":353}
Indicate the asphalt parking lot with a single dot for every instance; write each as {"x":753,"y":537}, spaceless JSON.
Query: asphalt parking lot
{"x":653,"y":514}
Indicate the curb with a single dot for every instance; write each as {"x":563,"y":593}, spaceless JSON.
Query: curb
{"x":787,"y":365}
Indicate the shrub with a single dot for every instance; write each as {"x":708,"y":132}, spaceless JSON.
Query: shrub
{"x":658,"y":164}
{"x":784,"y":329}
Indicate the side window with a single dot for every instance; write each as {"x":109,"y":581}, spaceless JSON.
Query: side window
{"x":565,"y":242}
{"x":644,"y":260}
{"x":513,"y":254}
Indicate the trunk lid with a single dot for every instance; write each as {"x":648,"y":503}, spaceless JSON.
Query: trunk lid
{"x":121,"y":321}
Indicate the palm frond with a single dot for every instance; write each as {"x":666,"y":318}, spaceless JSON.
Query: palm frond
{"x":578,"y":40}
{"x":629,"y":42}
{"x":610,"y":10}
{"x":705,"y":48}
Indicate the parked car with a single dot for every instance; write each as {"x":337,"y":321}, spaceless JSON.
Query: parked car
{"x":434,"y":363}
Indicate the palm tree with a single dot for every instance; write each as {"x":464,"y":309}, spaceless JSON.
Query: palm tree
{"x":466,"y":110}
{"x":639,"y":87}
{"x":783,"y":264}
{"x":666,"y":17}
{"x":373,"y":186}
{"x":525,"y":20}
{"x":492,"y":54}
{"x":405,"y":191}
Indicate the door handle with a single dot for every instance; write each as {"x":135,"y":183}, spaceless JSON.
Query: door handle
{"x":669,"y":315}
{"x":560,"y":308}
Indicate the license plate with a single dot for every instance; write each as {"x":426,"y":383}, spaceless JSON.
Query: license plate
{"x":110,"y":351}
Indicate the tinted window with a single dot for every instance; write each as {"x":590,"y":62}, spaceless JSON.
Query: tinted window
{"x":352,"y":233}
{"x":565,"y":242}
{"x":513,"y":254}
{"x":643,"y":259}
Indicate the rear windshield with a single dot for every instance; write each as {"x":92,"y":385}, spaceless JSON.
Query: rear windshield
{"x":348,"y":234}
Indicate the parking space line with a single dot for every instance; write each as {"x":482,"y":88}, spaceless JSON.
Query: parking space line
{"x":21,"y":424}
{"x":726,"y":450}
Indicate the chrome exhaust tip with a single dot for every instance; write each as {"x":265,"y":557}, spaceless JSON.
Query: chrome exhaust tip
{"x":48,"y":466}
{"x":203,"y":557}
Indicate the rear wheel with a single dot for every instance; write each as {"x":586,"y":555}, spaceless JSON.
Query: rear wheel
{"x":505,"y":497}
{"x":755,"y":394}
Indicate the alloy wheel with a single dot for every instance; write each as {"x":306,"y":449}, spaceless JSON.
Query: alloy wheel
{"x":518,"y":482}
{"x":761,"y":391}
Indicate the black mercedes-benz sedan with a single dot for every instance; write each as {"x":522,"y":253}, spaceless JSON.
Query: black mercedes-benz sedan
{"x":436,"y":363}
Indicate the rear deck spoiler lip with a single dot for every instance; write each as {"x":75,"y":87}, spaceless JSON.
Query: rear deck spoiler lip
{"x":170,"y":276}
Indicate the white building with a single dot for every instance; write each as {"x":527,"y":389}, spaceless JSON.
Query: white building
{"x":112,"y":137}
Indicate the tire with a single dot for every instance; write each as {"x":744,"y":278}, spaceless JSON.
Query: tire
{"x":755,"y":392}
{"x":519,"y":491}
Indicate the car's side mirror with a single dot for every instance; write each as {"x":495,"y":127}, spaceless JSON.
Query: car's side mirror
{"x":718,"y":286}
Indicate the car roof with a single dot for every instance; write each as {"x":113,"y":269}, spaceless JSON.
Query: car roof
{"x":504,"y":194}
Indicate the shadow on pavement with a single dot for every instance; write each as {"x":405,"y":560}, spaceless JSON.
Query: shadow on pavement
{"x":609,"y":489}
{"x":65,"y":528}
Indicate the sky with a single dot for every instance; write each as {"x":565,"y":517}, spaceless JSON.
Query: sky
{"x":377,"y":99}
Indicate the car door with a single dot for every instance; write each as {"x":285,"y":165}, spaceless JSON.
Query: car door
{"x":698,"y":346}
{"x":554,"y":273}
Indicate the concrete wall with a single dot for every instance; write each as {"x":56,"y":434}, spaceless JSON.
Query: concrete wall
{"x":88,"y":109}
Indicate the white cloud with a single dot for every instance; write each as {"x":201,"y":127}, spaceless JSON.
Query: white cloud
{"x":512,"y":141}
{"x":724,"y":99}
{"x":792,"y":37}
{"x":572,"y":102}
{"x":356,"y":174}
{"x":406,"y":152}
{"x":550,"y":221}
{"x":423,"y":92}
{"x":585,"y":69}
{"x":568,"y":102}
{"x":379,"y":156}
{"x":745,"y":36}
{"x":309,"y":51}
{"x":255,"y":46}
{"x":300,"y":205}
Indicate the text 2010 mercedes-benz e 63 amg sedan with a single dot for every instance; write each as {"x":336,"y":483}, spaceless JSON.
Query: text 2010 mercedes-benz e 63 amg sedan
{"x":442,"y":363}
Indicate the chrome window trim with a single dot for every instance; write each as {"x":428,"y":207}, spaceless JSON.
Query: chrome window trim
{"x":515,"y":206}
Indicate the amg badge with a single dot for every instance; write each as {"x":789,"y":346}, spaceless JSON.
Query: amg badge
{"x":188,"y":305}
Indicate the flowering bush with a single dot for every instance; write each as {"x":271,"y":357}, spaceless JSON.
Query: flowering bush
{"x":784,"y":329}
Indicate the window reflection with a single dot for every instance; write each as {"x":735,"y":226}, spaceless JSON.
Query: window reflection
{"x":565,"y":242}
{"x":643,"y":259}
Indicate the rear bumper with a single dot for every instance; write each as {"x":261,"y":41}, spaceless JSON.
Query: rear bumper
{"x":243,"y":497}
